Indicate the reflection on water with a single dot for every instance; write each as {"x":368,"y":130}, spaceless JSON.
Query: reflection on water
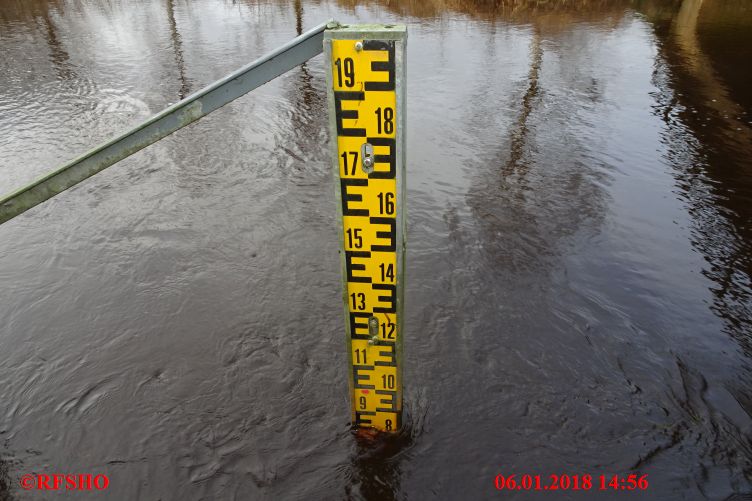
{"x":5,"y":481}
{"x":178,"y":47}
{"x":579,"y":292}
{"x":520,"y":130}
{"x":716,"y":179}
{"x":376,"y":470}
{"x":58,"y":56}
{"x":556,"y":13}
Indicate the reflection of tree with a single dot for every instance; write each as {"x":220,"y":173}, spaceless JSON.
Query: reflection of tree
{"x":521,"y":131}
{"x":307,"y":93}
{"x":298,"y":17}
{"x":307,"y":109}
{"x":13,"y":11}
{"x":500,"y":200}
{"x":550,"y":13}
{"x":525,"y":198}
{"x":58,"y":55}
{"x":177,"y":46}
{"x":712,"y":172}
{"x":700,"y":68}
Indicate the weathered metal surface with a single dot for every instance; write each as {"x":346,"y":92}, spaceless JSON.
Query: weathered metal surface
{"x":166,"y":122}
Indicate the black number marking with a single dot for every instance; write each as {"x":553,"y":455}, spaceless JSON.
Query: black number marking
{"x":354,"y":239}
{"x":386,"y":202}
{"x":388,"y":381}
{"x":358,"y":353}
{"x":387,"y":330}
{"x":387,"y":121}
{"x":349,"y":71}
{"x":354,"y":161}
{"x":388,"y":425}
{"x":387,"y":271}
{"x":362,"y":401}
{"x":358,"y":301}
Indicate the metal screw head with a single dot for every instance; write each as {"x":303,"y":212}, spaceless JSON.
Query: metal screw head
{"x":358,"y":46}
{"x":373,"y":329}
{"x":367,"y":158}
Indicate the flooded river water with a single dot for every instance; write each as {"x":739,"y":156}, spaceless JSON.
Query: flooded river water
{"x":579,"y":296}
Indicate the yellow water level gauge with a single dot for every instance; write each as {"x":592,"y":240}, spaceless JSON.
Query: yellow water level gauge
{"x":366,"y":84}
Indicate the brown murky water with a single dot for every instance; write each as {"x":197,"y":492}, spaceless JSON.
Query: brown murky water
{"x":579,"y":294}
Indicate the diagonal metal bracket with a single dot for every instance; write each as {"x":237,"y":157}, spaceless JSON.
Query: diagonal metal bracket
{"x":164,"y":123}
